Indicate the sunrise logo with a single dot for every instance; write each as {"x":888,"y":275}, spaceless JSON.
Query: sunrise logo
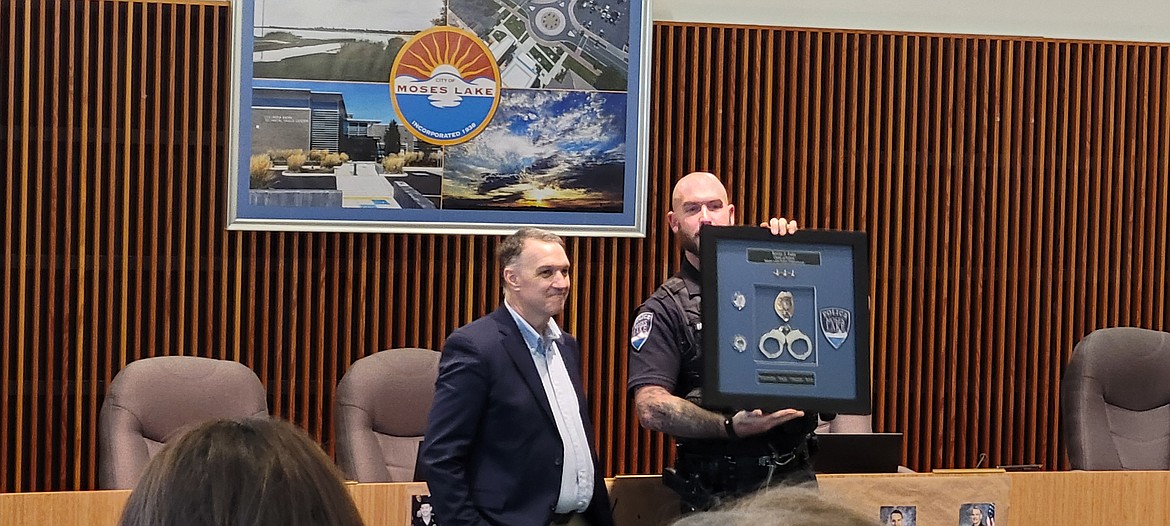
{"x":445,"y":85}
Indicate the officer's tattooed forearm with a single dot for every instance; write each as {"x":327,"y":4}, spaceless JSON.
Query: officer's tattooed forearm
{"x":661,"y":411}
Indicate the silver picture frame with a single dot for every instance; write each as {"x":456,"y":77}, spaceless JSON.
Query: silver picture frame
{"x":323,"y":126}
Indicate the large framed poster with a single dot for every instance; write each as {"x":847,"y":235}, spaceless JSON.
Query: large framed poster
{"x":432,"y":116}
{"x":786,"y":320}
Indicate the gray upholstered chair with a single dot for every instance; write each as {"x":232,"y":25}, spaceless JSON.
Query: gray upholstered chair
{"x":382,"y":405}
{"x":153,"y":400}
{"x":1115,"y":400}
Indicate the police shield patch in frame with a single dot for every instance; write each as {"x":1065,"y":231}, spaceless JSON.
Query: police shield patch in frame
{"x":835,"y":325}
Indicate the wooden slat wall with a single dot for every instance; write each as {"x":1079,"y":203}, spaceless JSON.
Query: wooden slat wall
{"x":1015,"y":192}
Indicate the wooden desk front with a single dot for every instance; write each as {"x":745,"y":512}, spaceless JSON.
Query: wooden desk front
{"x":1035,"y":499}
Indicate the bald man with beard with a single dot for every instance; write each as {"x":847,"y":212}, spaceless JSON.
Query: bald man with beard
{"x":719,"y":456}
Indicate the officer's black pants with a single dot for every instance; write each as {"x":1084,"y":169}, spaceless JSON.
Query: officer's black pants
{"x":706,"y":482}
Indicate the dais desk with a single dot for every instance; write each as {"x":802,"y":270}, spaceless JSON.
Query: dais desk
{"x":1033,"y":499}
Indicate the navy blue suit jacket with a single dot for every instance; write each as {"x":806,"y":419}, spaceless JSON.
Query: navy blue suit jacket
{"x":491,"y":453}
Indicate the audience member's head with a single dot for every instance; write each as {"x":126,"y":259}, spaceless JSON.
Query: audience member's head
{"x":257,"y":472}
{"x":781,"y":506}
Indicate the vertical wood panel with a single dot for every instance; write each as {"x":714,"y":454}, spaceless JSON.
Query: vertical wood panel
{"x":1015,"y":192}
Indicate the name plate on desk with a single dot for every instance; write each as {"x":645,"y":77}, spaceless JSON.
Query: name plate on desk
{"x":786,"y":320}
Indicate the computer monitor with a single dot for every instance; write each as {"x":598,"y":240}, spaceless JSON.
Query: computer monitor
{"x":858,"y":453}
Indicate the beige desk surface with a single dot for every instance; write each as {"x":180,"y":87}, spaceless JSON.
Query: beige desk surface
{"x":1033,"y":499}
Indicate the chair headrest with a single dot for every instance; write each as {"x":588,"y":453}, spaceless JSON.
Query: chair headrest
{"x":396,"y":387}
{"x":1128,"y":364}
{"x":167,"y":393}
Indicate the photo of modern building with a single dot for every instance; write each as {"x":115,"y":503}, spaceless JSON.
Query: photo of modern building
{"x":291,"y":121}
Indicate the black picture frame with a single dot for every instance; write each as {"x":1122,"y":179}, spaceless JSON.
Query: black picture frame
{"x":818,"y":358}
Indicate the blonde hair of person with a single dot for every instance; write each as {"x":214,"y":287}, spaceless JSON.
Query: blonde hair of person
{"x":779,"y":506}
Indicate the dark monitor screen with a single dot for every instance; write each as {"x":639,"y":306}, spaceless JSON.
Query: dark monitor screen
{"x":858,"y":453}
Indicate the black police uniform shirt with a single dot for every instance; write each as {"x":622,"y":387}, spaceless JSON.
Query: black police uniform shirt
{"x":665,"y":350}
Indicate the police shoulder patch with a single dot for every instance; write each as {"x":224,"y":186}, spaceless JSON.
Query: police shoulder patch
{"x":641,"y":330}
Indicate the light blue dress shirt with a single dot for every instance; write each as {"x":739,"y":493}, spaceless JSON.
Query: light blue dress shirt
{"x":577,"y":469}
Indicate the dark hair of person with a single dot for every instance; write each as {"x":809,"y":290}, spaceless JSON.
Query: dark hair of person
{"x":255,"y":472}
{"x":508,"y":251}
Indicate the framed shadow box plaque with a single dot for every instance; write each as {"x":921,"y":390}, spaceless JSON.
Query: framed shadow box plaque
{"x":786,"y":320}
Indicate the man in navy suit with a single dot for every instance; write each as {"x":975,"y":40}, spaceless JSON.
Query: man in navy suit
{"x":509,"y":441}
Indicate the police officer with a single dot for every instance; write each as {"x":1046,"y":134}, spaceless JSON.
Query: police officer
{"x":719,"y":456}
